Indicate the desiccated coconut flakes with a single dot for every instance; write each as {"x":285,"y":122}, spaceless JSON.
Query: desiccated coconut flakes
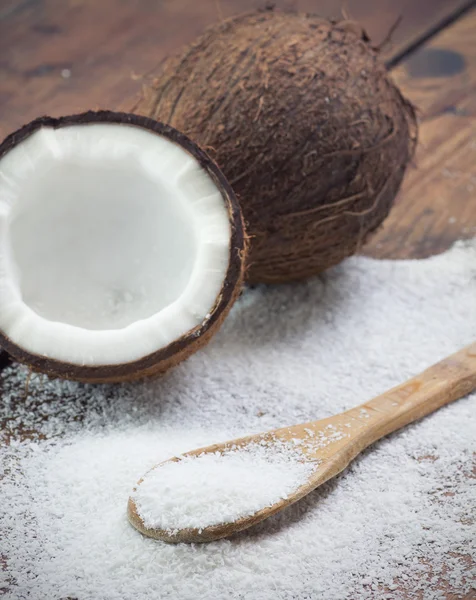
{"x":400,"y":517}
{"x":212,"y":488}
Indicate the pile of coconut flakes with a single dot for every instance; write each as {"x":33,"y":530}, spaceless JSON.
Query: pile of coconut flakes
{"x":399,"y":520}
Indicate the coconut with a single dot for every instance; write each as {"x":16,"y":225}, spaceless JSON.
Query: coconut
{"x":306,"y":125}
{"x":121,"y":246}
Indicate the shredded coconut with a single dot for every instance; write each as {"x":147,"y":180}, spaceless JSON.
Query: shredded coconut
{"x":399,"y":522}
{"x":209,"y":489}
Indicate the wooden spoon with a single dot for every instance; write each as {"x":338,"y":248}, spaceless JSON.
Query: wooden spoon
{"x":333,"y":442}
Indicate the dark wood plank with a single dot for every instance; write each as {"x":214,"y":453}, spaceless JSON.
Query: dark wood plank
{"x":437,"y":203}
{"x":64,"y":56}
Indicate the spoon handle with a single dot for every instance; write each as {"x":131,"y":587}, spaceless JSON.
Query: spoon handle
{"x":442,"y":383}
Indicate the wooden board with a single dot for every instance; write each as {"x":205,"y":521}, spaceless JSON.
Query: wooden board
{"x":437,"y":204}
{"x":65,"y":56}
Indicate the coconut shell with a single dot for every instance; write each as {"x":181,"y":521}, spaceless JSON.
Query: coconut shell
{"x":4,"y":359}
{"x":305,"y":123}
{"x":162,"y":360}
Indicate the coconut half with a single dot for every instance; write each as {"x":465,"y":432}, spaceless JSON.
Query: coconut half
{"x":121,"y":246}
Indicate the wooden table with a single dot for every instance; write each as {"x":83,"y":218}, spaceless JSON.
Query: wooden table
{"x":64,"y":56}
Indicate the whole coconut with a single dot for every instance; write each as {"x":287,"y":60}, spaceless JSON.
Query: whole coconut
{"x":300,"y":115}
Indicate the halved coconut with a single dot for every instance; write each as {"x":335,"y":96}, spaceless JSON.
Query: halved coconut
{"x":121,"y":246}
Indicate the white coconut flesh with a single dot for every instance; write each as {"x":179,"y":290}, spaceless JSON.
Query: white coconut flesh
{"x":114,"y":242}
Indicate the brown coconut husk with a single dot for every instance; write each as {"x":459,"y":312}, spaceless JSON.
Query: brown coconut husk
{"x":306,"y":125}
{"x":159,"y":362}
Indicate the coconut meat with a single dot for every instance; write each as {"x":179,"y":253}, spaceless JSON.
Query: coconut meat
{"x":114,"y":242}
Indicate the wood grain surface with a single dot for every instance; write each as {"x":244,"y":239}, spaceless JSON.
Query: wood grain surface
{"x":437,"y":203}
{"x":64,"y":56}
